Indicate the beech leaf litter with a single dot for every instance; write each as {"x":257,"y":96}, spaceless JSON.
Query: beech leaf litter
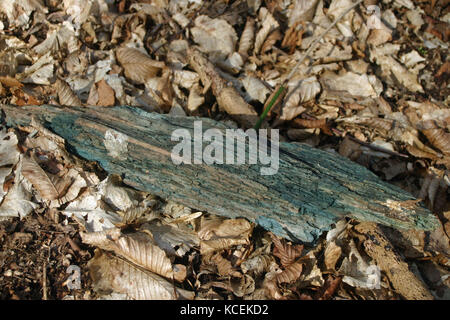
{"x":375,"y":89}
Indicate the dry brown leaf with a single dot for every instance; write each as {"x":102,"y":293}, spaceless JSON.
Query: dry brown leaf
{"x":242,"y":286}
{"x":330,"y":287}
{"x":271,"y":287}
{"x":444,"y":69}
{"x":106,"y":95}
{"x":260,"y":264}
{"x":214,"y":35}
{"x":305,"y":123}
{"x":138,"y":66}
{"x":436,"y":135}
{"x":49,"y":187}
{"x":293,"y":37}
{"x":246,"y":41}
{"x":227,"y":96}
{"x":112,"y":274}
{"x":10,"y":82}
{"x":287,"y":252}
{"x":269,"y":24}
{"x":217,"y":233}
{"x":65,"y":94}
{"x":138,"y":248}
{"x":332,"y":255}
{"x":270,"y":41}
{"x":224,"y":266}
{"x":216,"y":227}
{"x":290,"y":273}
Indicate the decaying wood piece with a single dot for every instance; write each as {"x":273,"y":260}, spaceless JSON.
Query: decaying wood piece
{"x":378,"y":247}
{"x":311,"y":190}
{"x":227,"y":96}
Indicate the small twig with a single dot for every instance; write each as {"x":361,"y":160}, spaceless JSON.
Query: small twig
{"x":371,"y":146}
{"x":294,"y":69}
{"x":44,"y":282}
{"x":377,"y":148}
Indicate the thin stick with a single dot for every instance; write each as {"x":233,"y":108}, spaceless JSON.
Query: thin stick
{"x":294,"y":69}
{"x":44,"y":282}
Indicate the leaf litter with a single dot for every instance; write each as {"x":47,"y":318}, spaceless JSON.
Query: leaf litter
{"x":376,"y":95}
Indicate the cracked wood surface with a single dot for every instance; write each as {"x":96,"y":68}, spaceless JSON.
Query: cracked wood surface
{"x":312,"y":189}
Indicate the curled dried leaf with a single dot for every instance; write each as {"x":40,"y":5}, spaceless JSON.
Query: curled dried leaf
{"x":259,"y":264}
{"x":436,"y":135}
{"x":332,"y":255}
{"x":269,"y":24}
{"x":243,"y":285}
{"x":246,"y":41}
{"x":215,"y":227}
{"x":224,"y":266}
{"x":271,"y":287}
{"x":293,"y":37}
{"x":291,"y":273}
{"x":330,"y":287}
{"x":270,"y":41}
{"x":287,"y":252}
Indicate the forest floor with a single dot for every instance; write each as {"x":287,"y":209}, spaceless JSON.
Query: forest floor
{"x":375,"y":89}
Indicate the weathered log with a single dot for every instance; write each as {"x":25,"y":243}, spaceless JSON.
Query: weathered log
{"x":311,"y":190}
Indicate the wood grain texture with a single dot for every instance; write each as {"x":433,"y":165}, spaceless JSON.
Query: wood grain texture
{"x":312,"y":189}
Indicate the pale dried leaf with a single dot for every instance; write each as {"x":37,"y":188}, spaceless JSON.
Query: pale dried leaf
{"x":138,"y":248}
{"x":40,"y":72}
{"x":303,"y":10}
{"x":269,"y":24}
{"x":214,"y":35}
{"x":9,"y":156}
{"x":255,"y":88}
{"x":49,"y":187}
{"x":137,"y":65}
{"x":113,"y":274}
{"x":65,"y":94}
{"x":116,"y":195}
{"x":89,"y":210}
{"x":17,"y":203}
{"x":246,"y":41}
{"x":260,"y":264}
{"x":175,"y":241}
{"x":196,"y":98}
{"x":393,"y":70}
{"x":354,"y":84}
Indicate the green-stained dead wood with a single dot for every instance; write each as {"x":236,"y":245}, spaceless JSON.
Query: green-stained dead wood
{"x":311,"y":191}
